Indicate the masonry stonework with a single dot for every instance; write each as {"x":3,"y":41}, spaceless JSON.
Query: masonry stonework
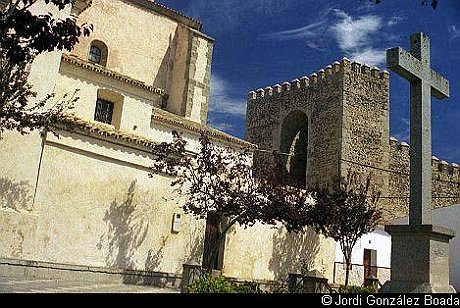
{"x":445,"y":177}
{"x":346,"y":108}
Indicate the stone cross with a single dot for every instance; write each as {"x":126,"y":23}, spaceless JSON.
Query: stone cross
{"x":424,"y":82}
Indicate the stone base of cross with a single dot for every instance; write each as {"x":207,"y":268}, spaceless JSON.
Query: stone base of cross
{"x":420,"y":250}
{"x":419,"y":259}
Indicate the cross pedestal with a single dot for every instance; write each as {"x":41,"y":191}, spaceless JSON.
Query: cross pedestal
{"x":419,"y":259}
{"x":420,"y":250}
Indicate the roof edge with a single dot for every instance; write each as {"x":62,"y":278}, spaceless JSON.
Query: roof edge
{"x":163,"y":9}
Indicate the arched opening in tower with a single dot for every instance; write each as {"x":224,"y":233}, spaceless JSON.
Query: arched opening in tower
{"x":294,"y":149}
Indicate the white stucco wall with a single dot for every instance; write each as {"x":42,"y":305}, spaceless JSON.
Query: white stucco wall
{"x":378,"y":240}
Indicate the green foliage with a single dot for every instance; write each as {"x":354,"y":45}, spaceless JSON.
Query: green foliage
{"x":247,"y":287}
{"x":23,"y":36}
{"x":358,"y":289}
{"x":209,"y":284}
{"x":282,"y":289}
{"x":306,"y":265}
{"x":345,"y":211}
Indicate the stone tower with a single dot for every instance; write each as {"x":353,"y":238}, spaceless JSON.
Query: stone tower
{"x":323,"y":125}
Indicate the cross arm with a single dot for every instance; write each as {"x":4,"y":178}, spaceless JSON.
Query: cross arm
{"x":412,"y":69}
{"x":404,"y":64}
{"x":439,"y":85}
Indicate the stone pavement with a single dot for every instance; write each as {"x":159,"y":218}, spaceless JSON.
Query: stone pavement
{"x":30,"y":285}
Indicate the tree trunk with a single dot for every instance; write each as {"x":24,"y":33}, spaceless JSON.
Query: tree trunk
{"x":213,"y":255}
{"x":347,"y":269}
{"x":223,"y":227}
{"x":215,"y":245}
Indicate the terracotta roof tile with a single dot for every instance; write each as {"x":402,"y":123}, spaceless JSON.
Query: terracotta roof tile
{"x":178,"y":122}
{"x":72,"y":59}
{"x":75,"y":123}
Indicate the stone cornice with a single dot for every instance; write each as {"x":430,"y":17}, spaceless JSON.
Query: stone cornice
{"x":73,"y":123}
{"x":80,"y":6}
{"x":161,"y":8}
{"x":101,"y":130}
{"x":109,"y":73}
{"x":177,"y":122}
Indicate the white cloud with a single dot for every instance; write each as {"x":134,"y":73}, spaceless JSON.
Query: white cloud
{"x":395,"y":20}
{"x":221,"y":99}
{"x":357,"y":37}
{"x":214,"y":123}
{"x":404,"y":133}
{"x":453,"y":32}
{"x":229,"y":14}
{"x":355,"y":33}
{"x":308,"y":31}
{"x":227,"y":107}
{"x":370,"y":56}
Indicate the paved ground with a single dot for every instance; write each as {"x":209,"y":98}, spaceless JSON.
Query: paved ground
{"x":30,"y":285}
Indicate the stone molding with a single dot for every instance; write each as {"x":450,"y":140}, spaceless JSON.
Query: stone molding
{"x":109,"y":73}
{"x":177,"y":122}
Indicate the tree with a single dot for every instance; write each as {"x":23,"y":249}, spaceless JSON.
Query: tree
{"x":220,"y":180}
{"x":345,"y":212}
{"x":23,"y":36}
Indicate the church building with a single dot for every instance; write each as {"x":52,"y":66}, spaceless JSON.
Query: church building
{"x":82,"y":204}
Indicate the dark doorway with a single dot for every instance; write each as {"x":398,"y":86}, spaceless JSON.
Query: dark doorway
{"x":210,"y":240}
{"x":294,"y":148}
{"x":370,"y":263}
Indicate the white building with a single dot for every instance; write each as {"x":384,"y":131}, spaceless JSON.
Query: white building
{"x":380,"y":242}
{"x":371,"y":255}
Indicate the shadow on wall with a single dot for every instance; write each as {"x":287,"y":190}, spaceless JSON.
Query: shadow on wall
{"x":196,"y":246}
{"x":126,"y":231}
{"x":154,"y":258}
{"x":15,"y":195}
{"x":293,"y":251}
{"x":162,"y":79}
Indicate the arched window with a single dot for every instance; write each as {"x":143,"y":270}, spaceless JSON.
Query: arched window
{"x":95,"y":54}
{"x":294,"y":146}
{"x":98,"y":53}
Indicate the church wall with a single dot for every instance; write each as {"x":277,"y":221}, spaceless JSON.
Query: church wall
{"x":179,"y":75}
{"x":20,"y":156}
{"x":136,"y":105}
{"x":270,"y":253}
{"x":165,"y":53}
{"x":200,"y":77}
{"x":138,"y":41}
{"x":96,"y":206}
{"x":191,"y":76}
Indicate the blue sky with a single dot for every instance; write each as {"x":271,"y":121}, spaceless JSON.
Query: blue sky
{"x":264,"y":42}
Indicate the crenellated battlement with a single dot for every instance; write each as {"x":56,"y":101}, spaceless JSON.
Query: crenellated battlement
{"x":440,"y":168}
{"x":317,"y":77}
{"x":339,"y":117}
